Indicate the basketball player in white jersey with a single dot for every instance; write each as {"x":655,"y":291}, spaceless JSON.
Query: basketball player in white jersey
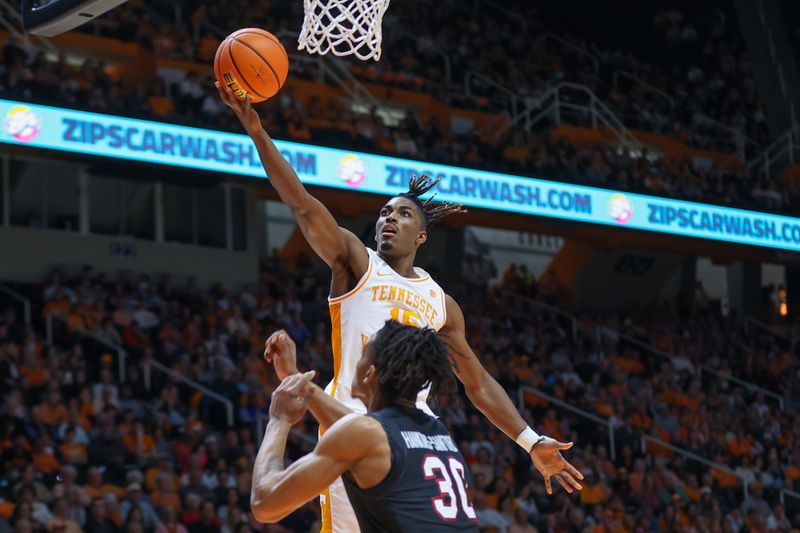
{"x":369,"y":287}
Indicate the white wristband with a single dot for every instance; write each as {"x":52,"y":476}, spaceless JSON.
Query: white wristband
{"x":528,"y":439}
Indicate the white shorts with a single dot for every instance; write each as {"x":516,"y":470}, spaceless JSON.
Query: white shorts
{"x":337,"y":513}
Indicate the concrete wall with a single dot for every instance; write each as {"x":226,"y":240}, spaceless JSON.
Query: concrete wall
{"x":627,"y":279}
{"x":29,"y":255}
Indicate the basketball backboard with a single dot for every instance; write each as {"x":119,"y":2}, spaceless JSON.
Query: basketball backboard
{"x":52,"y":17}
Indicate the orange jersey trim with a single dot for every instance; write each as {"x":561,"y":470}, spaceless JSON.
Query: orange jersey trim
{"x":416,"y":280}
{"x":444,"y":308}
{"x":336,"y":347}
{"x":327,"y":518}
{"x":411,"y":280}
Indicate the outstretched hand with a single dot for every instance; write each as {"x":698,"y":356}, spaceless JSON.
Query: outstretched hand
{"x":547,"y":458}
{"x":290,"y":399}
{"x":281,"y":351}
{"x":242,"y":107}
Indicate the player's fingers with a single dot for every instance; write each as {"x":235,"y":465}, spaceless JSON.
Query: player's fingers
{"x":285,"y":340}
{"x":565,"y":445}
{"x":231,"y":99}
{"x":571,"y":480}
{"x":285,"y":385}
{"x":300,"y":381}
{"x":269,"y":349}
{"x":224,"y":93}
{"x":547,"y":486}
{"x":563,"y":483}
{"x":574,"y":471}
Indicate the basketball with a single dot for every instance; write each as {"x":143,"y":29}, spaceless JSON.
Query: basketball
{"x":252,"y":62}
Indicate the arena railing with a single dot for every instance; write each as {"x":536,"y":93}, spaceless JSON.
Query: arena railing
{"x":121,"y":353}
{"x":619,"y":73}
{"x":149,"y":362}
{"x":394,"y":33}
{"x":20,"y":299}
{"x":570,"y":103}
{"x":609,"y":425}
{"x":694,"y":457}
{"x":569,"y":317}
{"x":751,"y":323}
{"x":777,"y":65}
{"x":783,"y":151}
{"x":750,"y":386}
{"x":742,"y":144}
{"x":511,"y":102}
{"x":612,"y":449}
{"x":574,"y":47}
{"x":13,"y":29}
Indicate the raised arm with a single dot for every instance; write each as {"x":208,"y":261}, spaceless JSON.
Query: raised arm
{"x":336,"y":246}
{"x":493,"y":401}
{"x":277,"y":492}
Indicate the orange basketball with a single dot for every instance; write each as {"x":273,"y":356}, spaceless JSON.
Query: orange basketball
{"x":252,"y":62}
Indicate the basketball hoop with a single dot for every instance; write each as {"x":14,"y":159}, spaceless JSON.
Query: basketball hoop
{"x":343,"y":27}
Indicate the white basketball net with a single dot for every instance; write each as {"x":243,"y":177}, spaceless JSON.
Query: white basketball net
{"x":343,"y":27}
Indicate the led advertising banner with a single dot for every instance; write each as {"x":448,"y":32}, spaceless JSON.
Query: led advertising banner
{"x":182,"y":146}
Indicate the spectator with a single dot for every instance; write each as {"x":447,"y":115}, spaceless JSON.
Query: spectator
{"x":98,"y":521}
{"x":208,"y":522}
{"x":60,"y":520}
{"x":134,"y":509}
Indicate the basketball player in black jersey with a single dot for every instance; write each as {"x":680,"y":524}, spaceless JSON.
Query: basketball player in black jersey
{"x":401,"y":468}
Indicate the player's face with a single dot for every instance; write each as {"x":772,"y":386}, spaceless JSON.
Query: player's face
{"x":364,"y":384}
{"x":400,"y":229}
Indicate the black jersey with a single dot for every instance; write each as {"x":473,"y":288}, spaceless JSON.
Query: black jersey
{"x":426,"y":488}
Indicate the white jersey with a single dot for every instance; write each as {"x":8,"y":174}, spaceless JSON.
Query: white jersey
{"x":381,"y":294}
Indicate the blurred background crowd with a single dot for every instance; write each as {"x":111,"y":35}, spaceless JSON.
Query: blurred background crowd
{"x":83,"y":449}
{"x":693,"y":81}
{"x":136,"y":404}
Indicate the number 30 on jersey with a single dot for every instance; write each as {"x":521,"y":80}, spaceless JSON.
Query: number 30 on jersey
{"x":446,"y":505}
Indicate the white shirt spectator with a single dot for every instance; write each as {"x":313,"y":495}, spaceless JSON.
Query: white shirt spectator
{"x":212,"y":105}
{"x":145,"y":318}
{"x":493,"y":518}
{"x":190,"y":87}
{"x":210,"y":480}
{"x":406,"y":145}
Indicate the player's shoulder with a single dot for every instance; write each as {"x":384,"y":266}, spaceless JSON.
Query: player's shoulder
{"x":450,"y":303}
{"x":354,"y":437}
{"x":358,"y":429}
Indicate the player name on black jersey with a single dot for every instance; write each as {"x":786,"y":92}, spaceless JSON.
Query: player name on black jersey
{"x":440,"y":443}
{"x":426,"y":487}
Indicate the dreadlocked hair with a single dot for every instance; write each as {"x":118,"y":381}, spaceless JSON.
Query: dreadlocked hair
{"x":408,"y":358}
{"x":432,"y":211}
